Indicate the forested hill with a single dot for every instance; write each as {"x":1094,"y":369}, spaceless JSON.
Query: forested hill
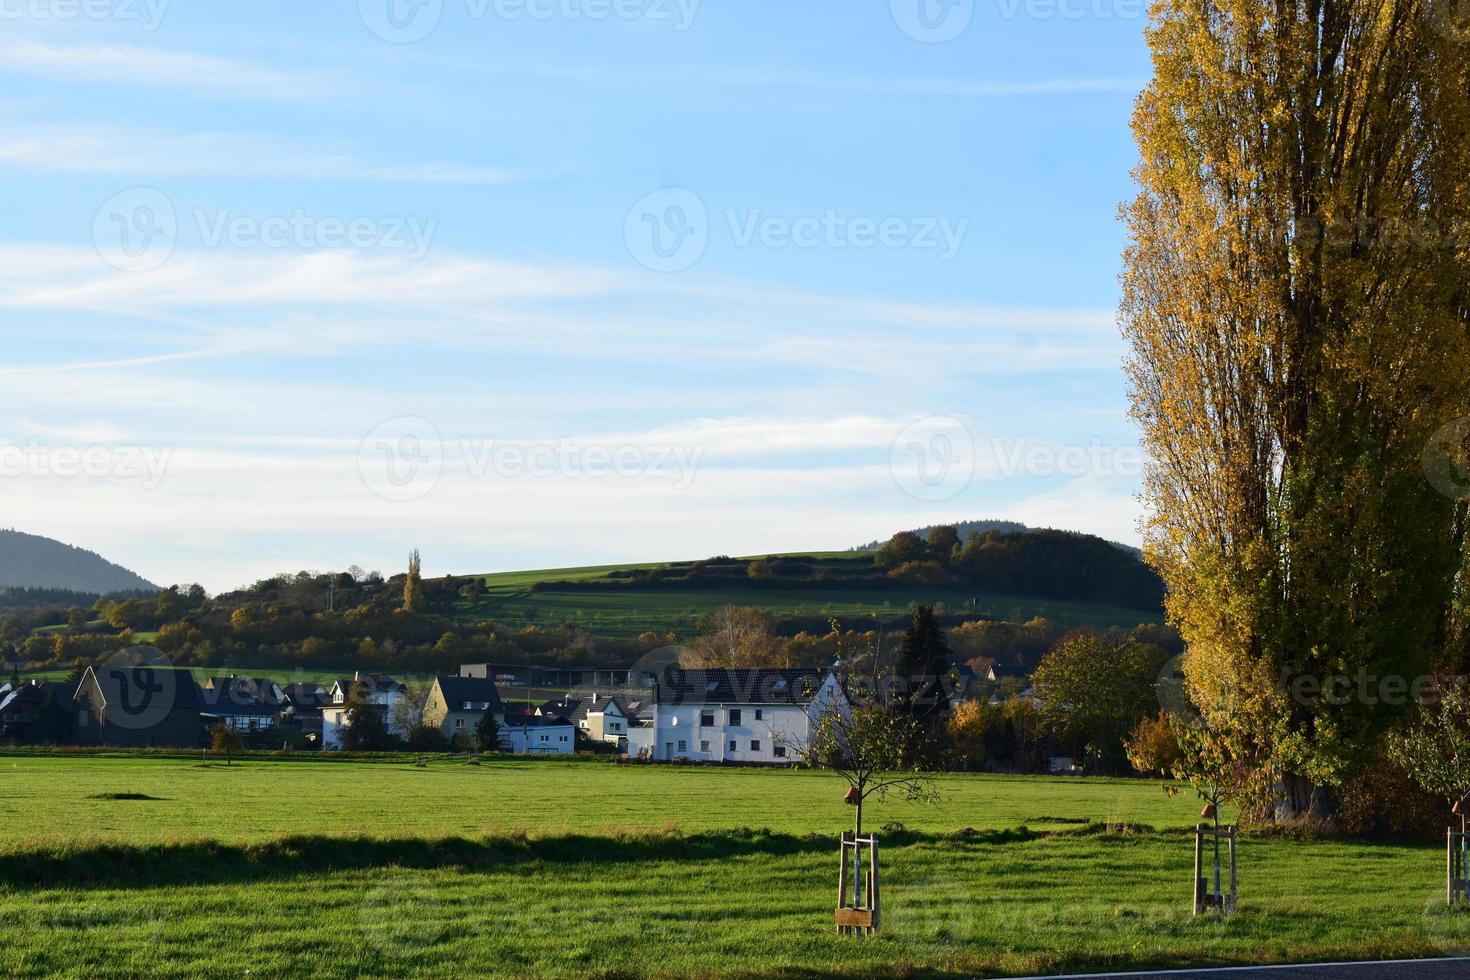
{"x":28,"y":561}
{"x":963,"y":528}
{"x":1052,"y":564}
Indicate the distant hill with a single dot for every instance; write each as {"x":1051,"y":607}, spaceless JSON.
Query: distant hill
{"x":28,"y":561}
{"x":967,"y":528}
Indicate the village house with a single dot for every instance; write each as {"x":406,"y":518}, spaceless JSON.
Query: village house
{"x":139,"y":707}
{"x":379,"y":690}
{"x":456,"y":704}
{"x":524,"y":732}
{"x":22,"y":703}
{"x":598,"y":718}
{"x":735,"y":715}
{"x":244,"y":704}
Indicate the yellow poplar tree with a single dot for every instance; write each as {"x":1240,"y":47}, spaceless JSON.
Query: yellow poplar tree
{"x":1296,"y":297}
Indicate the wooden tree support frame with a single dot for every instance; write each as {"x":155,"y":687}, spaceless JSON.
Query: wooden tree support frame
{"x":1209,"y":896}
{"x":1457,"y":867}
{"x":858,"y":914}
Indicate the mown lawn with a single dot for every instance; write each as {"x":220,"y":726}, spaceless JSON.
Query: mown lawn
{"x":54,"y":798}
{"x":535,"y":868}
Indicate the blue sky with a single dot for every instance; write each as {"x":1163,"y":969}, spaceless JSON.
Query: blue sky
{"x":545,"y":282}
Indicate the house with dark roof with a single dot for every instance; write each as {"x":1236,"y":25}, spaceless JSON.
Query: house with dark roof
{"x":139,"y":707}
{"x":600,"y":718}
{"x":237,"y":703}
{"x":301,"y":706}
{"x":21,"y":705}
{"x":735,"y":715}
{"x":525,"y":732}
{"x":456,"y":704}
{"x":379,"y":690}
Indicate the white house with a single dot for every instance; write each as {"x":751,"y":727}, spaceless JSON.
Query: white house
{"x":735,"y":715}
{"x":380,"y":690}
{"x":599,"y":718}
{"x":531,"y":734}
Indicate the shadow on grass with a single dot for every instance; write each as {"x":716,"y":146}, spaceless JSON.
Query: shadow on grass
{"x":105,"y":864}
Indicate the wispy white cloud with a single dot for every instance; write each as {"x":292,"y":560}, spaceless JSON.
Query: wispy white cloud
{"x":154,"y":154}
{"x":182,"y":71}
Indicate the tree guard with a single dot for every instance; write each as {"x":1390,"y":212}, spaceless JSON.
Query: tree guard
{"x":1209,"y":894}
{"x":857,"y":905}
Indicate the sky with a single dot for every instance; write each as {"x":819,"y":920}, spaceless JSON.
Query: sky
{"x":540,"y":283}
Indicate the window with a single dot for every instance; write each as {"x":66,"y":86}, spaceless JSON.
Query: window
{"x":704,"y":746}
{"x":757,"y":714}
{"x":755,"y":745}
{"x":734,"y":716}
{"x":459,"y":723}
{"x":707,"y":719}
{"x":779,"y":751}
{"x":732,"y":746}
{"x":563,"y":738}
{"x":683,"y":745}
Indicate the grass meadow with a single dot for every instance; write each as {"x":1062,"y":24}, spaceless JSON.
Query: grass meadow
{"x":130,"y":866}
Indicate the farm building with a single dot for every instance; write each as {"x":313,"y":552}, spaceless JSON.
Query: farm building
{"x":139,"y":707}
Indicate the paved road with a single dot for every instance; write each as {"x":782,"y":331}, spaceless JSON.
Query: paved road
{"x":1447,"y":969}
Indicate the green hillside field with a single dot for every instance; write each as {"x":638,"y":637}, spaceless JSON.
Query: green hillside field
{"x":619,"y":612}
